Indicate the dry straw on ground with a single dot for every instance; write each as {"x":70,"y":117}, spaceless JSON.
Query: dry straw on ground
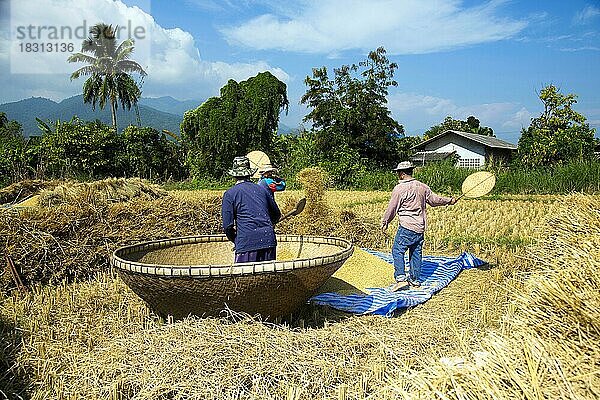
{"x":548,"y":345}
{"x":97,"y":340}
{"x":74,"y":239}
{"x":109,"y":190}
{"x":19,"y":191}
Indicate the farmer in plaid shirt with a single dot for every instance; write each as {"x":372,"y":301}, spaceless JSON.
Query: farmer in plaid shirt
{"x":409,"y":201}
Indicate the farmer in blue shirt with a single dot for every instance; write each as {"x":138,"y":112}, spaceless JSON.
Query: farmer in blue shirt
{"x":249,"y":213}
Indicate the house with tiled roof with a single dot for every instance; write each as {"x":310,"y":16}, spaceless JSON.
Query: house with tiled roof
{"x":470,"y":150}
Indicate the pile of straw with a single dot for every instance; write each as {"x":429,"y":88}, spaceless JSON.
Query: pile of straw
{"x":74,"y":240}
{"x":107,"y":190}
{"x":319,"y":218}
{"x":97,"y":340}
{"x":19,"y":191}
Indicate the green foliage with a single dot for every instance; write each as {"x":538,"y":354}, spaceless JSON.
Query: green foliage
{"x":243,"y":118}
{"x":344,"y":166}
{"x":350,"y":113}
{"x":405,"y":145}
{"x":292,"y":153}
{"x":109,"y":67}
{"x":200,"y":184}
{"x":443,"y":177}
{"x":18,"y":155}
{"x":558,"y":135}
{"x":557,"y":179}
{"x":92,"y":150}
{"x":81,"y":149}
{"x":471,"y":125}
{"x":375,"y":180}
{"x":148,"y":154}
{"x":12,"y":150}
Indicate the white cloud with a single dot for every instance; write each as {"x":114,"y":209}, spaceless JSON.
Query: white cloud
{"x":587,"y":15}
{"x":169,"y":56}
{"x":422,"y":111}
{"x":582,"y":48}
{"x":520,"y":119}
{"x":403,"y":27}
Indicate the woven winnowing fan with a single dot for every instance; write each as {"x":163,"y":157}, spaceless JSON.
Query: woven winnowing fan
{"x":478,"y":184}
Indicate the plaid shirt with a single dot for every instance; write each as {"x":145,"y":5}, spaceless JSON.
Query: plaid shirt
{"x":409,"y":200}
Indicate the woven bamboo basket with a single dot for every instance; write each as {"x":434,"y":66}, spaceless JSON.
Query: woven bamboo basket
{"x":196,"y":275}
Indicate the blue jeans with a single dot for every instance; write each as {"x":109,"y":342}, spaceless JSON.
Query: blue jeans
{"x":413,"y":242}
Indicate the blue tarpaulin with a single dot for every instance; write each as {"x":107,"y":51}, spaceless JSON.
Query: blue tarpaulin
{"x":436,"y":273}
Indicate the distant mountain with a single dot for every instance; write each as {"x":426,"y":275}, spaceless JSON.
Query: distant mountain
{"x":25,"y":111}
{"x":170,"y":105}
{"x":158,"y":112}
{"x":283,"y":129}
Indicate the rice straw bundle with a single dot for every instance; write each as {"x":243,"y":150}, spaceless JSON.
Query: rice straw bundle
{"x":317,"y":216}
{"x":107,"y":190}
{"x":548,"y":345}
{"x":19,"y":191}
{"x":49,"y":244}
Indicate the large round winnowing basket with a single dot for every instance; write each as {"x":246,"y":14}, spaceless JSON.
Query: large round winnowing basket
{"x":196,"y":275}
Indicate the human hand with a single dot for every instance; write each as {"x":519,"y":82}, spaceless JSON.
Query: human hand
{"x":453,"y":201}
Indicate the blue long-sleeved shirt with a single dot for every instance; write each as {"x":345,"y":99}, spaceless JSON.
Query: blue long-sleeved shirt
{"x":249,"y":213}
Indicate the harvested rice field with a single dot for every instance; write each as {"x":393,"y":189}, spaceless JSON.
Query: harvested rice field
{"x":527,"y":326}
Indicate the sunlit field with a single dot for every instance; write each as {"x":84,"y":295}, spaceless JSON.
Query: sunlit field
{"x":492,"y":333}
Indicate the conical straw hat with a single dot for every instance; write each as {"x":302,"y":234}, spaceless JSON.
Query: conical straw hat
{"x":478,"y":184}
{"x":257,"y":160}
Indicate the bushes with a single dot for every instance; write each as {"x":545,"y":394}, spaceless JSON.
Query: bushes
{"x":566,"y":178}
{"x":15,"y":154}
{"x":443,"y":177}
{"x":81,"y":149}
{"x":150,"y":155}
{"x":11,"y":151}
{"x":558,"y":179}
{"x":90,"y":150}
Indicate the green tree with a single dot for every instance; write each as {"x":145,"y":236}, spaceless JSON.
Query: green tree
{"x":560,"y":134}
{"x":470,"y":125}
{"x":243,"y":118}
{"x":3,"y":120}
{"x":405,"y":146}
{"x":13,"y":151}
{"x":349,"y":112}
{"x":81,"y":149}
{"x":109,"y":68}
{"x":149,"y":154}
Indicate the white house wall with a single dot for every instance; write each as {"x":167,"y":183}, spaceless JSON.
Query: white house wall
{"x":464,"y":148}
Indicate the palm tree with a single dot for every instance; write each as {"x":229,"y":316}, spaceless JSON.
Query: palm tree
{"x":109,"y":67}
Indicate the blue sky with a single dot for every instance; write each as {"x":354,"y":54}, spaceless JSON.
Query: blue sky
{"x":457,"y":58}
